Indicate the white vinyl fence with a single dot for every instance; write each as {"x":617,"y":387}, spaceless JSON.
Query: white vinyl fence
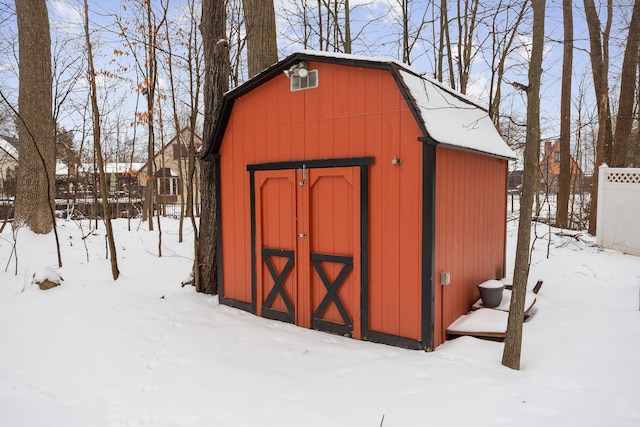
{"x":618,"y":224}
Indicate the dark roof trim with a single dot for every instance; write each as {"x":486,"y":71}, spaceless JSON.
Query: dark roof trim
{"x":471,"y":150}
{"x":411,"y":101}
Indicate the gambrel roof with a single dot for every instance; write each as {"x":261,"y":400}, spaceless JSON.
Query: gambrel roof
{"x":445,"y":116}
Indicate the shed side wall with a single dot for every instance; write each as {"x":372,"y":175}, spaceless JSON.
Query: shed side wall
{"x":470,"y":230}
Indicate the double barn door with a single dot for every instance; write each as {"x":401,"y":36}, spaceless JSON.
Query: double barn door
{"x":308,"y":247}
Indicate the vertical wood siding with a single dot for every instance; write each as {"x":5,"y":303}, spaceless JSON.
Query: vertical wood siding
{"x":470,"y":230}
{"x":354,"y":112}
{"x":276,"y":199}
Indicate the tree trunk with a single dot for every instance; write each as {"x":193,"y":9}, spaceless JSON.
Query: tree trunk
{"x":439,"y":53}
{"x":195,"y":83}
{"x":150,"y":91}
{"x":176,"y":126}
{"x":347,"y":28}
{"x":36,"y":148}
{"x":405,"y":32}
{"x":467,"y":22}
{"x":445,"y":28}
{"x":599,"y":67}
{"x":564,"y":184}
{"x":624,"y":120}
{"x":98,"y":149}
{"x":498,"y":73}
{"x":262,"y":49}
{"x":513,"y":341}
{"x":216,"y":83}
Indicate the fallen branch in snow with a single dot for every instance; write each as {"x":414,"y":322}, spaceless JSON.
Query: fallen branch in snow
{"x":537,"y":287}
{"x":188,"y":281}
{"x":576,"y":236}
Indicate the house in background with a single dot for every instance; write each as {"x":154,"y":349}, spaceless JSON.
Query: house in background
{"x":8,"y":166}
{"x":170,"y":189}
{"x":550,"y":169}
{"x":359,"y":197}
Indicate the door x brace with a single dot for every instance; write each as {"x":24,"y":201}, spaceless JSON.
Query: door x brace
{"x":278,"y":285}
{"x":332,"y":288}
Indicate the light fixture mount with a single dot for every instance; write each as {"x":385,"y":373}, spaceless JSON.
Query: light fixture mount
{"x":299,"y":69}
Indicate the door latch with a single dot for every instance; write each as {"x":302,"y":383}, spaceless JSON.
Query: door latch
{"x":303,"y":171}
{"x":302,"y":235}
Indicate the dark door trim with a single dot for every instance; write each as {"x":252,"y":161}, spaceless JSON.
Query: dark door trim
{"x":361,"y":162}
{"x":321,"y":163}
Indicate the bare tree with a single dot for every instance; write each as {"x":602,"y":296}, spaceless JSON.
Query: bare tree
{"x":238,"y":41}
{"x":467,"y":19}
{"x":328,"y":24}
{"x":36,"y":131}
{"x":176,"y":125}
{"x":599,"y":54}
{"x":98,"y":148}
{"x":445,"y":43}
{"x":260,"y":22}
{"x":503,"y":38}
{"x":564,"y":184}
{"x":193,"y":61}
{"x":216,"y":83}
{"x":148,"y":25}
{"x":628,"y":84}
{"x":513,"y":341}
{"x":411,"y":27}
{"x":346,"y":39}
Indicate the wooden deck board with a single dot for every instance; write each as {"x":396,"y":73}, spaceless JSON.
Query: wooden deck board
{"x":529,"y":302}
{"x":501,"y":335}
{"x":490,"y":323}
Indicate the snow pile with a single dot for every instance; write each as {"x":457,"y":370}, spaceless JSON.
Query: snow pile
{"x":144,"y":351}
{"x":481,"y":320}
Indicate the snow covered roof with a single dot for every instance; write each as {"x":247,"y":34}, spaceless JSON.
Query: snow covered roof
{"x":121,"y":167}
{"x":8,"y":148}
{"x":447,"y":117}
{"x":452,"y":119}
{"x":61,"y":169}
{"x":114,"y":167}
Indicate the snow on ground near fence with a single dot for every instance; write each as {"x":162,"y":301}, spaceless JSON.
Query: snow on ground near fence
{"x":142,"y":351}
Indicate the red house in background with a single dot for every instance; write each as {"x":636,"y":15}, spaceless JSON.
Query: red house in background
{"x":349,"y":188}
{"x":550,"y":169}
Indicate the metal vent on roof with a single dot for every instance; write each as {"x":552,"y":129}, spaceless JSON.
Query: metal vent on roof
{"x":307,"y":82}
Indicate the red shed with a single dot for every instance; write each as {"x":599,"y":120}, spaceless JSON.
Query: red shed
{"x":348,"y":185}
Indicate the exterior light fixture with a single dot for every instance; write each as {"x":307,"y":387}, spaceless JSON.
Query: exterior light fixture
{"x":299,"y":69}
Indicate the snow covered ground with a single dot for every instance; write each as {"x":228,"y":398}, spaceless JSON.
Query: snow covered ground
{"x":142,"y":351}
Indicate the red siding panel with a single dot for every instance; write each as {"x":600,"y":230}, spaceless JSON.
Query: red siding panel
{"x":358,"y":112}
{"x":470,"y":229}
{"x":275,"y":229}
